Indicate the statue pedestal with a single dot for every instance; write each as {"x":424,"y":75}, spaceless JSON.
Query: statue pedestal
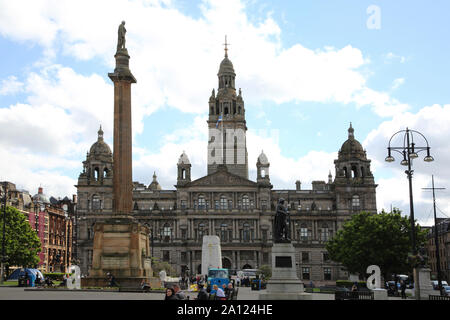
{"x":380,"y":294}
{"x":284,"y":283}
{"x":422,"y":283}
{"x":121,"y":247}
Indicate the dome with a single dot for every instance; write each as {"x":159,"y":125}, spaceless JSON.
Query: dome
{"x":155,"y":184}
{"x":183,"y":159}
{"x":352,"y":147}
{"x":40,"y":197}
{"x":100,"y":147}
{"x":226,"y":66}
{"x":262,"y":159}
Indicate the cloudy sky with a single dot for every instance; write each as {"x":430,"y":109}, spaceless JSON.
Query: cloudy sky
{"x":306,"y":68}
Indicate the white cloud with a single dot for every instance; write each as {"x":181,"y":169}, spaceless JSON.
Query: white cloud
{"x":175,"y":59}
{"x":10,"y":86}
{"x":175,"y":67}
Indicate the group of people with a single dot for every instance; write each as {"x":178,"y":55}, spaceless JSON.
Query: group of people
{"x":215,"y":293}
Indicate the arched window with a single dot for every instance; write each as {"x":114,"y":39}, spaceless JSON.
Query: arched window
{"x":345,"y":172}
{"x":263,"y":173}
{"x":105,"y":172}
{"x":354,"y":172}
{"x":200,"y":231}
{"x":239,"y":110}
{"x":96,"y":173}
{"x":363,"y":174}
{"x":183,"y":173}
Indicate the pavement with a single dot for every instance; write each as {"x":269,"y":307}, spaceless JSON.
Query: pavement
{"x":19,"y":293}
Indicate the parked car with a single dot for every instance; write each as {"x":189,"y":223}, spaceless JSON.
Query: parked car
{"x":435,"y":284}
{"x":447,"y":290}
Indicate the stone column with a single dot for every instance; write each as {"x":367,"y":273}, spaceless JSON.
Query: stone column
{"x":122,"y":178}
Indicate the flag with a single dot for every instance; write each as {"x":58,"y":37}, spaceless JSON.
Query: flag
{"x":218,"y":120}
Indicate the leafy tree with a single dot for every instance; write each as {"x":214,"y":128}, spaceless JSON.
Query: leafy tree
{"x":22,"y":244}
{"x":382,"y":239}
{"x":266,"y":271}
{"x":163,"y":265}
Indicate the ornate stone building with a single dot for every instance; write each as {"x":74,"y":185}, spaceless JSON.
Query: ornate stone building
{"x":226,"y":203}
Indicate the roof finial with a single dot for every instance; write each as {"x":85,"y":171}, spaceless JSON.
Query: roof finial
{"x":350,"y":131}
{"x":226,"y":47}
{"x":100,"y":133}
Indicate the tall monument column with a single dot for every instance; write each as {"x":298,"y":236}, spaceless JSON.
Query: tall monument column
{"x":123,"y":178}
{"x":121,"y":245}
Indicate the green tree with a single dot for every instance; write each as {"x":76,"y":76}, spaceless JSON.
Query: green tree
{"x":382,"y":239}
{"x":266,"y":271}
{"x":22,"y":244}
{"x":162,"y":265}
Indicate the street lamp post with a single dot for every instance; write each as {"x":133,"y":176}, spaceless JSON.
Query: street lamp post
{"x":409,"y":150}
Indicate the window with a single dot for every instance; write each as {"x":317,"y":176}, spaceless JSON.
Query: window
{"x":201,"y":203}
{"x":325,"y":233}
{"x":166,"y":256}
{"x":167,"y":232}
{"x":246,"y":233}
{"x":223,"y":233}
{"x":303,"y":233}
{"x":326,"y":256}
{"x":216,"y":204}
{"x":305,"y":256}
{"x":327,"y":273}
{"x":230,"y":204}
{"x":184,"y":234}
{"x":223,"y":203}
{"x":305,"y":273}
{"x":355,"y":201}
{"x":183,"y":257}
{"x":96,"y":202}
{"x":245,"y":202}
{"x":183,"y":204}
{"x":200,"y":231}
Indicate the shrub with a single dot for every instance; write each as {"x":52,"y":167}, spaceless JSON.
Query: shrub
{"x":349,"y":284}
{"x":55,"y":276}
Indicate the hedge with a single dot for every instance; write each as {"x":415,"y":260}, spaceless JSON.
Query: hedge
{"x":57,"y":276}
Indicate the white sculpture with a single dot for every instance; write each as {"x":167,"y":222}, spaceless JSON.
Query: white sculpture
{"x":74,"y":280}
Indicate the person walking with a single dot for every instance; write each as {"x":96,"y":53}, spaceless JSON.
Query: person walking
{"x":170,"y":294}
{"x":403,"y":288}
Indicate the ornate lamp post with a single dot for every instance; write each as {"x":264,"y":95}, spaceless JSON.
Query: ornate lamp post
{"x":409,"y":151}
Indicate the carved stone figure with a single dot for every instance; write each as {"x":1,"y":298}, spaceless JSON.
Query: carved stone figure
{"x":121,"y":36}
{"x":281,"y":225}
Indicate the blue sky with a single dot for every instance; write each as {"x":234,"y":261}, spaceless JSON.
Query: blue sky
{"x":306,"y":68}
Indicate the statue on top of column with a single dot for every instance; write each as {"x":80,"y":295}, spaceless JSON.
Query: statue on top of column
{"x":121,"y":36}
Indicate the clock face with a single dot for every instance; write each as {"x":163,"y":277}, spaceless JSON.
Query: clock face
{"x":65,"y":207}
